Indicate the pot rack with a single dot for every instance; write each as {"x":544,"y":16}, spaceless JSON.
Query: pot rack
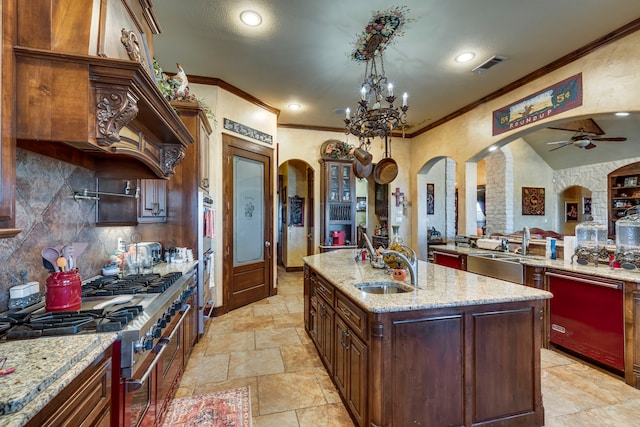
{"x":94,"y":195}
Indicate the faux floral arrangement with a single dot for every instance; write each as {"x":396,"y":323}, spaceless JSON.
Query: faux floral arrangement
{"x":381,"y":29}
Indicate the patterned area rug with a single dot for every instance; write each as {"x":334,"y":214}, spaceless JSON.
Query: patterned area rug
{"x":230,"y":408}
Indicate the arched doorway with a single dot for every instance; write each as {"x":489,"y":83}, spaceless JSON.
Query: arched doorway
{"x":296,"y":223}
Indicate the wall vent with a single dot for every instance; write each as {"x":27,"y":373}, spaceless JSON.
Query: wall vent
{"x":489,"y":63}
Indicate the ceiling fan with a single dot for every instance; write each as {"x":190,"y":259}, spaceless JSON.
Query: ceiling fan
{"x":584,"y":138}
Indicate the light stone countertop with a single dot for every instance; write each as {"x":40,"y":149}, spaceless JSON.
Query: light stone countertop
{"x":442,"y":286}
{"x":602,"y":270}
{"x":44,"y":367}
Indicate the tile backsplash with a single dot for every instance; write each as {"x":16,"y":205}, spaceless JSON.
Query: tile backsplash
{"x":49,"y":216}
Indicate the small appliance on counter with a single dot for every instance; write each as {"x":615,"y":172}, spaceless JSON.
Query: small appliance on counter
{"x":591,"y":241}
{"x":628,"y":240}
{"x":338,"y":237}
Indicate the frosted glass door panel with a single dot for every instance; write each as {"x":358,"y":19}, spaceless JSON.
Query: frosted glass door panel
{"x":248,"y":211}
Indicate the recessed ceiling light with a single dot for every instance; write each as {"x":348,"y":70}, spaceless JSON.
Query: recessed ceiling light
{"x":294,"y":106}
{"x":251,"y":18}
{"x":622,"y":113}
{"x":465,"y":57}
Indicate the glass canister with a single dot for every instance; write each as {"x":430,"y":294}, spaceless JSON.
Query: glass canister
{"x":628,"y":233}
{"x":64,"y":291}
{"x":591,"y":235}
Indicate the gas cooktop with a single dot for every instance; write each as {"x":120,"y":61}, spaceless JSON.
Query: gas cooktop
{"x":127,"y":285}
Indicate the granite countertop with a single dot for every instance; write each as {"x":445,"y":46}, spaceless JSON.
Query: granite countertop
{"x":602,"y":270}
{"x":441,"y":286}
{"x":44,"y":367}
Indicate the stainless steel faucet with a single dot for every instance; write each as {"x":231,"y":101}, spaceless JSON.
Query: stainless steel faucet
{"x":526,"y":238}
{"x":411,"y":263}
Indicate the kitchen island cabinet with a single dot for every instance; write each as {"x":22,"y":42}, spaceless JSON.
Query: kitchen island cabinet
{"x":464,"y":350}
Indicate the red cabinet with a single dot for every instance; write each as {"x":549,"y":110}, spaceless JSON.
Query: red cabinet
{"x":449,"y":259}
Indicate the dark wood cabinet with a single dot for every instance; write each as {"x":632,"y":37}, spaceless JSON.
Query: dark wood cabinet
{"x":350,"y":374}
{"x":624,"y":192}
{"x":152,"y":201}
{"x":338,"y":201}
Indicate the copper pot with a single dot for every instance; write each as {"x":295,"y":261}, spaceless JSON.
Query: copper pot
{"x":385,"y":171}
{"x":360,"y":170}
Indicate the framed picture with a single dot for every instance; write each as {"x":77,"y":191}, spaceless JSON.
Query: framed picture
{"x":586,"y":205}
{"x":570,"y":211}
{"x":430,"y":199}
{"x":296,"y":211}
{"x":533,"y":200}
{"x":361,"y":204}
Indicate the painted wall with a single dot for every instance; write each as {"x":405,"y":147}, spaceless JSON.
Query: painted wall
{"x":227,"y":105}
{"x":296,"y":237}
{"x":611,"y":81}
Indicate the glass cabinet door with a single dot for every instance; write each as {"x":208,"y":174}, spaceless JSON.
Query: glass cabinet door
{"x":346,"y":184}
{"x":334,"y":183}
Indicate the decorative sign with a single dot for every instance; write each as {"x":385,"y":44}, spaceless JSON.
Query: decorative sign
{"x":548,"y":102}
{"x":247,"y":131}
{"x":532,"y":201}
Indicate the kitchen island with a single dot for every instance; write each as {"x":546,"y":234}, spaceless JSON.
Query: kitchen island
{"x":463,"y":350}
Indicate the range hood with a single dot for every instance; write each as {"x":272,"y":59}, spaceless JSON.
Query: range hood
{"x":85,"y":89}
{"x":86,"y":102}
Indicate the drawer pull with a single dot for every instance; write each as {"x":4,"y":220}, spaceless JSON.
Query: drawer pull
{"x":346,"y":312}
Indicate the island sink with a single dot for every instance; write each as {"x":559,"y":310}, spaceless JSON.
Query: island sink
{"x":497,"y":265}
{"x":383,"y":287}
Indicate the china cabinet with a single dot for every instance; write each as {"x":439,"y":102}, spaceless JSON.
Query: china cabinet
{"x":624,"y":192}
{"x":338,"y":201}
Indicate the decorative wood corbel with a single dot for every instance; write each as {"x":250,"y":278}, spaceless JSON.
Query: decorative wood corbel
{"x":114,"y":110}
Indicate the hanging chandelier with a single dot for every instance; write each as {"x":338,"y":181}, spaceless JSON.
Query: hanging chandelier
{"x":377,"y":113}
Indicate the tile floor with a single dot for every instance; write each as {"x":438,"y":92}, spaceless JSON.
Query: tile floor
{"x":264,"y":346}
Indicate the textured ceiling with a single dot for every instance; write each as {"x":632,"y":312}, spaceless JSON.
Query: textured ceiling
{"x":301,"y":52}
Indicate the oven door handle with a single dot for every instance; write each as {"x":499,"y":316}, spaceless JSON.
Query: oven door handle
{"x":136,"y":384}
{"x":185,"y":311}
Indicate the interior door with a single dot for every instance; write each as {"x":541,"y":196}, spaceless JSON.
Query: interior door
{"x":310,"y":212}
{"x":247,"y":223}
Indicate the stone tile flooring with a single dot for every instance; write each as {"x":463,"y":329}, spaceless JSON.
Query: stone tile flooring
{"x":264,"y":346}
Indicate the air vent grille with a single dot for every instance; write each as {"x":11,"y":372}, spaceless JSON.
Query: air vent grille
{"x":489,"y":63}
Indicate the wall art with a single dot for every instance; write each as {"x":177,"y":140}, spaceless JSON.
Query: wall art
{"x":430,"y":199}
{"x":533,"y":200}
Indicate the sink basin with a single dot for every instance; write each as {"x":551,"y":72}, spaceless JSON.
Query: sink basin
{"x":383,"y":287}
{"x":497,"y":265}
{"x":494,"y":255}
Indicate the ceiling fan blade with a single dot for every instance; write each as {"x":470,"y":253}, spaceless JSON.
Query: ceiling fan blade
{"x":560,"y":146}
{"x":558,"y":142}
{"x":613,"y":139}
{"x":590,"y":146}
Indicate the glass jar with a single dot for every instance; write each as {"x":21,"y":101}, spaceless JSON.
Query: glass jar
{"x":591,"y":235}
{"x":628,"y":233}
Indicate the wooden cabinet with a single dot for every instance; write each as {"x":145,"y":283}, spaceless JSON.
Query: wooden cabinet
{"x":338,"y":201}
{"x":7,"y":129}
{"x":624,"y":192}
{"x":382,"y":201}
{"x":350,"y":372}
{"x":449,"y":259}
{"x":82,"y":80}
{"x":152,"y":201}
{"x":86,"y":401}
